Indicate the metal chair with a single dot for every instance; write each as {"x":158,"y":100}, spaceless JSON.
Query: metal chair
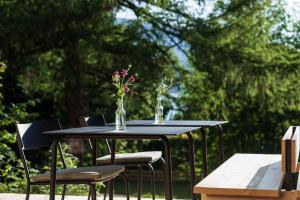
{"x":139,"y":159}
{"x":30,"y":137}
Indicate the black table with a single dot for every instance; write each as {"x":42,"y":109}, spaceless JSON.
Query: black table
{"x":201,"y":124}
{"x":134,"y":133}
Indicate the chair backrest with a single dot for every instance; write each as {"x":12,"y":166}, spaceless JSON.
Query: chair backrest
{"x":31,"y":137}
{"x":95,"y":121}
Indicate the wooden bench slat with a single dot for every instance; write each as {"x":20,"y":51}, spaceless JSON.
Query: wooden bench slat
{"x":295,"y":149}
{"x":287,"y":137}
{"x":284,"y":195}
{"x":256,"y":175}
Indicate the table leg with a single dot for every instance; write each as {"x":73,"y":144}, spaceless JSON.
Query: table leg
{"x":221,"y":146}
{"x":140,"y":169}
{"x":111,"y":182}
{"x":93,"y":191}
{"x":94,"y":155}
{"x":204,"y":152}
{"x":140,"y":145}
{"x":163,"y":162}
{"x":191,"y":149}
{"x":94,"y":152}
{"x":53,"y":169}
{"x":139,"y":182}
{"x":168,"y":169}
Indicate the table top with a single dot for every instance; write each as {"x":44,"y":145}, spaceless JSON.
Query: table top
{"x":130,"y":131}
{"x":175,"y":123}
{"x":245,"y":175}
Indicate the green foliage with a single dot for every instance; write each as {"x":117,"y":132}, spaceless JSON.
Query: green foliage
{"x":73,"y":49}
{"x":61,"y":55}
{"x":11,"y":172}
{"x":241,"y":74}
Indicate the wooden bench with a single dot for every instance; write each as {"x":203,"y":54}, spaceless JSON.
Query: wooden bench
{"x":256,"y":176}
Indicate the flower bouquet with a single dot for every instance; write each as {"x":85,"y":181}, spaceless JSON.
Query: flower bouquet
{"x":122,"y":84}
{"x":161,"y":90}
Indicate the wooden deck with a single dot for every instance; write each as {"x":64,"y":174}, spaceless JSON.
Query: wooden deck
{"x":10,"y":196}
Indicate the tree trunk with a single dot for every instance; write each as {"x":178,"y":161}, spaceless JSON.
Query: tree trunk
{"x":73,"y":90}
{"x":73,"y":97}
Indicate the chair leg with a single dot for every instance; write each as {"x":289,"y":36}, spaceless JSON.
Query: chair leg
{"x":93,"y":191}
{"x":64,"y":192}
{"x":139,"y":182}
{"x":106,"y":190}
{"x":152,"y":180}
{"x":89,"y":196}
{"x":27,"y":191}
{"x":125,"y":178}
{"x":163,"y":162}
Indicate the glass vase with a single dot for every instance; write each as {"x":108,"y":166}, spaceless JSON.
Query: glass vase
{"x":159,"y":111}
{"x":120,"y":116}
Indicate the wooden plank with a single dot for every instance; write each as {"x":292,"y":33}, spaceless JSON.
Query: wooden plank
{"x":287,"y":136}
{"x":256,"y":175}
{"x":295,"y":144}
{"x":284,"y":195}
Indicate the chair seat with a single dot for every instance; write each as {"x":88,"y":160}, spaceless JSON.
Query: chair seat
{"x":95,"y":173}
{"x":130,"y":158}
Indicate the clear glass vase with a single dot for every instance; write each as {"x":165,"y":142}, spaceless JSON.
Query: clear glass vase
{"x":120,"y":115}
{"x":159,"y":111}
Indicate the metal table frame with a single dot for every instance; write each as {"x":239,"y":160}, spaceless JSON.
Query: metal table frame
{"x":60,"y":134}
{"x":201,"y":124}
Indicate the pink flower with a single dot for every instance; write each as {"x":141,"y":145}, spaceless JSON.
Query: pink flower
{"x":124,"y":72}
{"x":132,"y":79}
{"x":116,"y":76}
{"x":126,"y":89}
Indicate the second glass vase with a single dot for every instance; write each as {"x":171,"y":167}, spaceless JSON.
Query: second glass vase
{"x":159,"y":111}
